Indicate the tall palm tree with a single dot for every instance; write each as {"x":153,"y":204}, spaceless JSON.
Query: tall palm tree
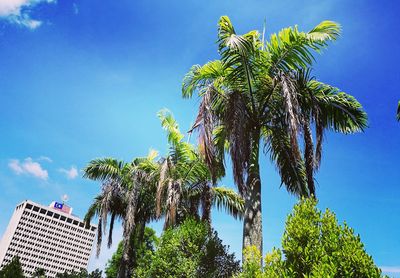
{"x":127,"y":193}
{"x":185,"y":183}
{"x":260,"y":94}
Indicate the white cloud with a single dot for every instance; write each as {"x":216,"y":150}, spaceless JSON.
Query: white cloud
{"x":29,"y":167}
{"x":44,"y":158}
{"x":390,"y":269}
{"x":71,"y":174}
{"x":18,"y":12}
{"x":15,"y":166}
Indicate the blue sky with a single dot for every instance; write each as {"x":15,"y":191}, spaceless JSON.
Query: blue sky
{"x":85,"y":79}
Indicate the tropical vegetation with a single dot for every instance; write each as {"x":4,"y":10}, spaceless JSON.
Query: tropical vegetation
{"x":261,"y":94}
{"x":144,"y":252}
{"x":175,"y":187}
{"x":13,"y":269}
{"x":313,"y":245}
{"x":190,"y":250}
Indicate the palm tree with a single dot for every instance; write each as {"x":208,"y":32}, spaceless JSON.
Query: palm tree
{"x":147,"y":189}
{"x":260,"y":92}
{"x":126,"y":194}
{"x":185,"y":183}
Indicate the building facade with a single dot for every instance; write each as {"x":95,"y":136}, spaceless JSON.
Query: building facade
{"x":47,"y":237}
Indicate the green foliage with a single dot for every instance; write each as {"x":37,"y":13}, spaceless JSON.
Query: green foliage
{"x":143,"y":254}
{"x":314,"y":245}
{"x":191,"y":250}
{"x":39,"y":273}
{"x":12,"y":270}
{"x":112,"y":266}
{"x":83,"y":273}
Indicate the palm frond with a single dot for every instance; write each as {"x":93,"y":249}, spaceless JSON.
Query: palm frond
{"x":99,"y":237}
{"x":201,"y":76}
{"x":103,"y":169}
{"x":238,"y":134}
{"x":171,"y":126}
{"x":291,"y":110}
{"x":228,"y":200}
{"x":398,"y":111}
{"x":290,"y":168}
{"x":325,"y":31}
{"x":338,"y":111}
{"x":110,"y":230}
{"x":92,"y":211}
{"x":291,"y":49}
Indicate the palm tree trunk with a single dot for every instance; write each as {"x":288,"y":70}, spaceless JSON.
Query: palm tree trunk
{"x":206,"y":196}
{"x":309,"y":157}
{"x":129,"y":229}
{"x":252,"y":224}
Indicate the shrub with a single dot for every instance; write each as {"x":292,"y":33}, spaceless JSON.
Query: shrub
{"x":313,"y":245}
{"x":191,"y":250}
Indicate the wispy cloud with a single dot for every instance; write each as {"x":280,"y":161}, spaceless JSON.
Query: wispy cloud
{"x":19,"y":12}
{"x":390,"y":269}
{"x":45,"y":158}
{"x":75,"y":8}
{"x":71,"y":173}
{"x":28,"y":167}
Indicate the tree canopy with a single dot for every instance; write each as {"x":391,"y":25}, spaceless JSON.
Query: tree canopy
{"x":314,"y":244}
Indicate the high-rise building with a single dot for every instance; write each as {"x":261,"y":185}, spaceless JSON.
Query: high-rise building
{"x":47,"y":237}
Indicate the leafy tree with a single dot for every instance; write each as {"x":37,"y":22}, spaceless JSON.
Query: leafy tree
{"x":313,"y":245}
{"x":262,"y":93}
{"x":190,"y":250}
{"x":83,"y":273}
{"x":13,"y":269}
{"x":145,"y":249}
{"x":111,"y":269}
{"x":39,"y":273}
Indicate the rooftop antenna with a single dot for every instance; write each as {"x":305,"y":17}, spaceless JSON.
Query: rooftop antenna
{"x":64,"y":198}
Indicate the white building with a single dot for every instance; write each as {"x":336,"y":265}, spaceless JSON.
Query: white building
{"x":46,"y":237}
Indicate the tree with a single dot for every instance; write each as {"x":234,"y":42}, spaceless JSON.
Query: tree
{"x":127,"y":193}
{"x":145,"y":250}
{"x":13,"y":269}
{"x":185,"y":184}
{"x":39,"y":273}
{"x":313,"y":245}
{"x":83,"y":273}
{"x":190,"y":250}
{"x":175,"y":186}
{"x":261,"y":93}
